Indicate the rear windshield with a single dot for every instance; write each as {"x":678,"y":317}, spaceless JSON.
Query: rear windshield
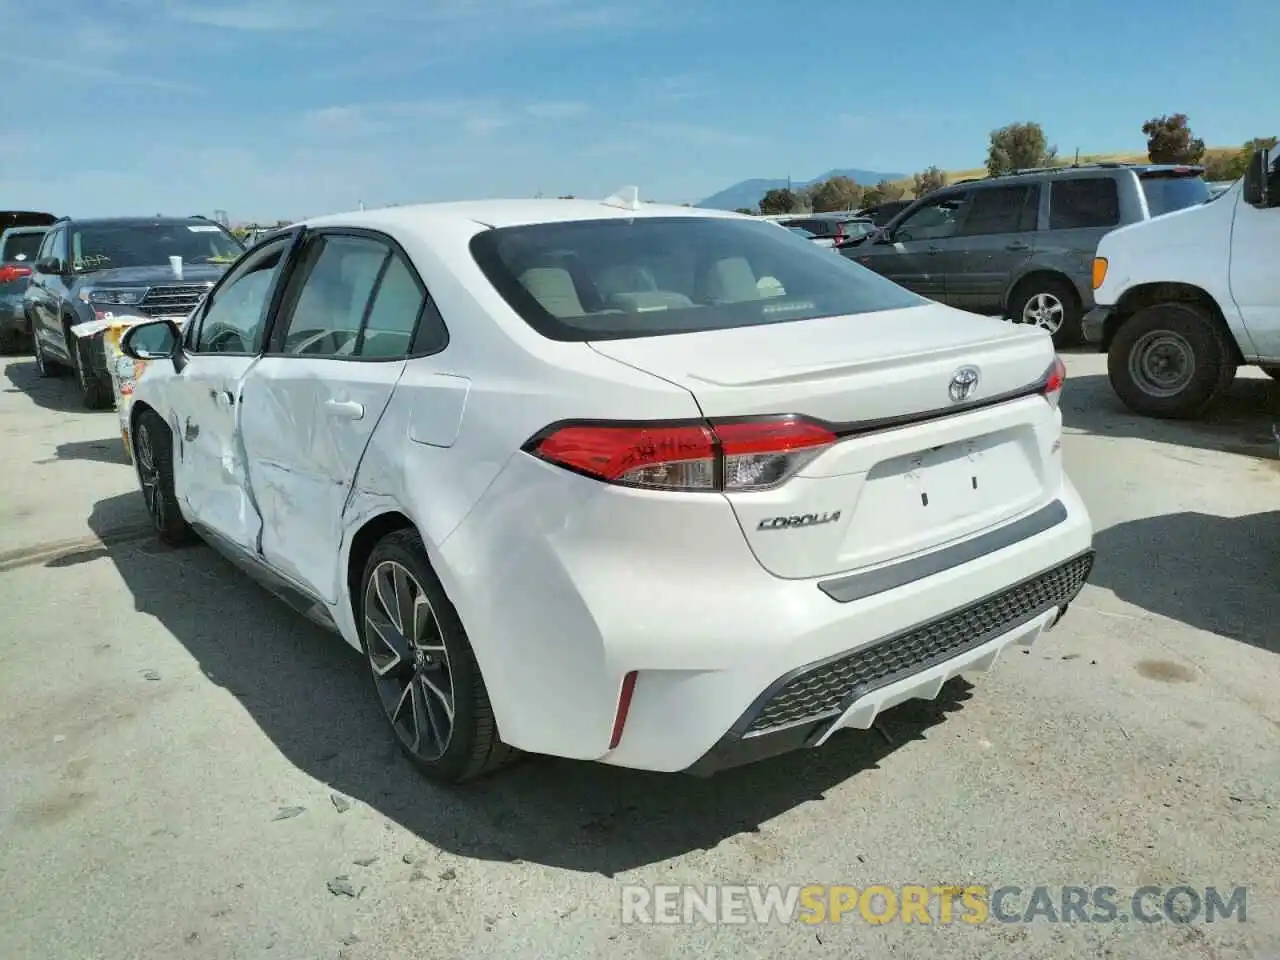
{"x":1166,"y":193}
{"x":651,"y":276}
{"x":21,"y":246}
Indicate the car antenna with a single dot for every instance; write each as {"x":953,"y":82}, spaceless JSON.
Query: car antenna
{"x":627,"y":198}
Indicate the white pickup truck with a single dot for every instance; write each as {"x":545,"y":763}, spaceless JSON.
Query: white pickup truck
{"x":1185,"y":299}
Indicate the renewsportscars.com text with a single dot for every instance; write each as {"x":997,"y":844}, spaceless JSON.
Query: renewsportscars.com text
{"x":939,"y":904}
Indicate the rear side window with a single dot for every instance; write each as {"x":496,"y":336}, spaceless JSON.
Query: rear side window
{"x":21,"y":246}
{"x":1084,"y":202}
{"x":1166,"y":193}
{"x":1009,"y":209}
{"x":651,"y":276}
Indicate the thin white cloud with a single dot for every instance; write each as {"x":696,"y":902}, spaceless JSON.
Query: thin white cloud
{"x":101,"y":74}
{"x":261,"y":16}
{"x":557,"y":109}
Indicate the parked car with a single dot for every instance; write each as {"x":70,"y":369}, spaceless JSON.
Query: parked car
{"x":1184,"y":300}
{"x":20,"y":235}
{"x":839,"y":228}
{"x":826,"y":242}
{"x":882,"y":213}
{"x":1022,"y":245}
{"x":86,"y":269}
{"x":575,"y":484}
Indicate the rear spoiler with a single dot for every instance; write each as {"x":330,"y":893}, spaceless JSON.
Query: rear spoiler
{"x":25,"y":218}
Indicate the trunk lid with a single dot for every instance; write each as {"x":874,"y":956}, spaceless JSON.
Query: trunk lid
{"x":914,"y":469}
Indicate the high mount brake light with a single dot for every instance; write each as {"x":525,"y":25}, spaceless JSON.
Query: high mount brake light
{"x":1054,"y":378}
{"x":730,"y":456}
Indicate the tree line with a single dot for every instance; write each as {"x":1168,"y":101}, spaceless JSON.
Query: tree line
{"x":1018,"y":146}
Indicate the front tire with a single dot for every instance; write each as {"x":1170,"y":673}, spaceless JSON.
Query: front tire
{"x":1170,"y":360}
{"x":44,"y":366}
{"x":425,"y":675}
{"x":1051,"y":304}
{"x":153,"y":456}
{"x":95,"y":394}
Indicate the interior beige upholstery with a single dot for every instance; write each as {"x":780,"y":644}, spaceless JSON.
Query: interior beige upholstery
{"x":553,"y":288}
{"x":731,"y":281}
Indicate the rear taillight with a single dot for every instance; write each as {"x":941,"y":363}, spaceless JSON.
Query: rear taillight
{"x":11,"y":273}
{"x":1054,"y":378}
{"x":732,"y":455}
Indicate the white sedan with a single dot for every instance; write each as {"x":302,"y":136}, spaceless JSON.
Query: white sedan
{"x":661,"y":487}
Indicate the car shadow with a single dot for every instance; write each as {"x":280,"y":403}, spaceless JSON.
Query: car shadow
{"x":309,"y":693}
{"x":1213,"y":573}
{"x":1241,"y":421}
{"x":52,"y":393}
{"x":110,"y":450}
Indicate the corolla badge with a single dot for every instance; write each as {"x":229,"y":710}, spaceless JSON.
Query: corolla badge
{"x":964,"y":383}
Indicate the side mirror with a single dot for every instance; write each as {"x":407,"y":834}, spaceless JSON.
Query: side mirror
{"x":48,"y":265}
{"x":1255,"y":189}
{"x":152,"y":341}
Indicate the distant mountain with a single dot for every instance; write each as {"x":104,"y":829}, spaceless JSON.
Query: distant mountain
{"x":748,"y":192}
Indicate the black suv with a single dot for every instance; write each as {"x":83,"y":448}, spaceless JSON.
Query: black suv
{"x":1022,"y":245}
{"x":90,"y":269}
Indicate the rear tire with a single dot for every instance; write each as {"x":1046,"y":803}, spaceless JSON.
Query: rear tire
{"x":10,"y":342}
{"x":1170,"y":360}
{"x":1052,"y":304}
{"x":424,"y":672}
{"x":153,"y":457}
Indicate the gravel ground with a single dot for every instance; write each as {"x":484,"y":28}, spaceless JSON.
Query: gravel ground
{"x":190,"y":771}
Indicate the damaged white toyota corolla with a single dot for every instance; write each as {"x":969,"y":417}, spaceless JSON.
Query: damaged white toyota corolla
{"x":660,"y":487}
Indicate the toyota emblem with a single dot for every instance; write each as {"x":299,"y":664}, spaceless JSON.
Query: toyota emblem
{"x":964,"y":382}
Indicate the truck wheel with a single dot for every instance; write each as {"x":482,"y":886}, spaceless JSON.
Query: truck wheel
{"x":1051,"y":304}
{"x":95,"y":394}
{"x":1170,"y":360}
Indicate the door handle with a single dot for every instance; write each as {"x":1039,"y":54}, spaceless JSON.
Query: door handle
{"x":223,"y":397}
{"x":1018,"y":245}
{"x":347,"y":409}
{"x":932,"y":250}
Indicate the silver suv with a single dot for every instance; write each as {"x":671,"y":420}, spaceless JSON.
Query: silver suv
{"x":1022,"y":244}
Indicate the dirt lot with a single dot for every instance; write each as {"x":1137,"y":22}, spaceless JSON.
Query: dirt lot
{"x":188,"y":769}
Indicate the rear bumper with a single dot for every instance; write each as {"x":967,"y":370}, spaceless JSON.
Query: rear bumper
{"x":732,"y":663}
{"x":1094,"y":324}
{"x":807,"y":706}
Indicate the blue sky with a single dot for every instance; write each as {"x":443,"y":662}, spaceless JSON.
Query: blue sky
{"x":293,"y":108}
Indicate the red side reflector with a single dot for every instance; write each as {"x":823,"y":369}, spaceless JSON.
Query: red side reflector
{"x":624,"y":707}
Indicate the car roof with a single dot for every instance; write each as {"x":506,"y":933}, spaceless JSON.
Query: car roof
{"x":134,"y":221}
{"x":510,"y":213}
{"x":1069,"y":172}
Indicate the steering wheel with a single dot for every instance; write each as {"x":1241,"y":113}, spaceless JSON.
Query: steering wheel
{"x":227,"y":340}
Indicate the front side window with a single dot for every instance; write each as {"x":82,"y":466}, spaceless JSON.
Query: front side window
{"x":235,"y":315}
{"x":1084,"y":202}
{"x":937,"y":220}
{"x":150,"y":245}
{"x":652,"y":276}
